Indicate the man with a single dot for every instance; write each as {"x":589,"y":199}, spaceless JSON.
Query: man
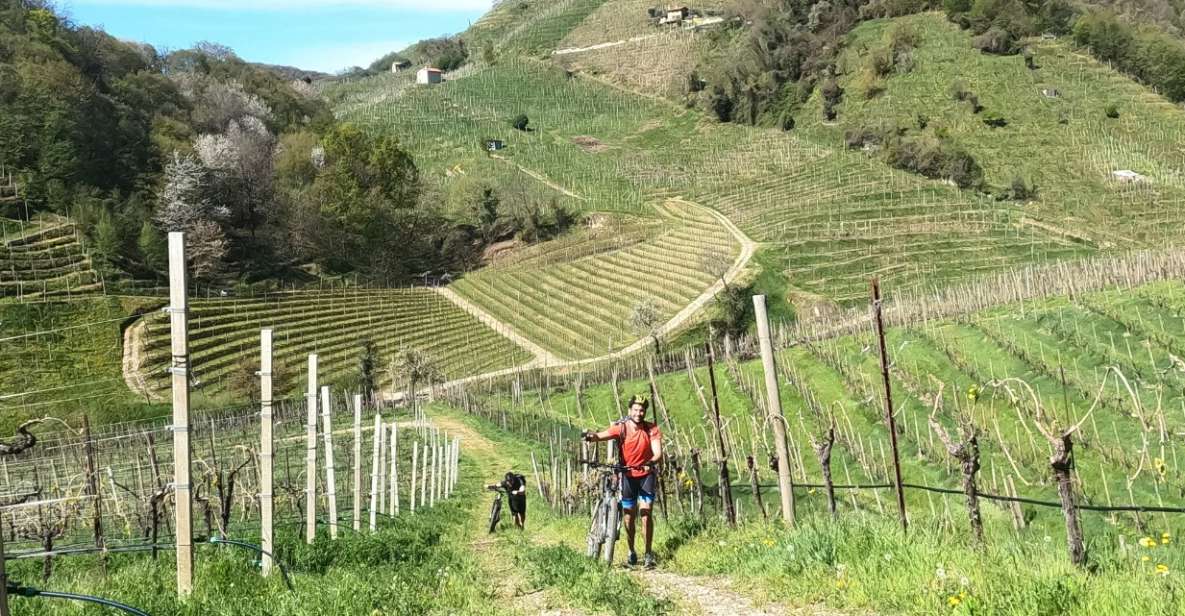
{"x":639,"y":443}
{"x":516,"y":494}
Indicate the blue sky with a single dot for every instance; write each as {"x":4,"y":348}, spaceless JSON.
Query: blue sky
{"x":324,"y":35}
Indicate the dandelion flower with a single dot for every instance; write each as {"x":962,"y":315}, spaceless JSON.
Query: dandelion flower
{"x":841,"y":584}
{"x":1148,"y":542}
{"x":1162,"y":569}
{"x":953,"y":601}
{"x":768,"y":543}
{"x":1165,"y":538}
{"x":1145,"y":559}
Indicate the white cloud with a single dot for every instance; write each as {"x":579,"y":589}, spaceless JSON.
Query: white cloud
{"x":332,"y":58}
{"x":423,"y":6}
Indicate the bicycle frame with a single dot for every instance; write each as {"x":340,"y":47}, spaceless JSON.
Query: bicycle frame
{"x":496,"y":508}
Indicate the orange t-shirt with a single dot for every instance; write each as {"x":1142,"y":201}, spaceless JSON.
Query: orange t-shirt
{"x":635,"y":443}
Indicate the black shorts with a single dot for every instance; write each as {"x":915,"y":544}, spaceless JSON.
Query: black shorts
{"x":518,"y":503}
{"x":634,"y":489}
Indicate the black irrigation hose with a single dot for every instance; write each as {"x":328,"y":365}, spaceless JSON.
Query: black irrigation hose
{"x":261,"y":551}
{"x":985,"y":496}
{"x":25,"y":591}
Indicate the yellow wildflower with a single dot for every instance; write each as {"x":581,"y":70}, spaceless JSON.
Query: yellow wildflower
{"x":1148,"y":542}
{"x":973,"y":393}
{"x":1144,"y":559}
{"x":768,"y":542}
{"x":954,"y":600}
{"x":1160,"y":467}
{"x":841,"y":584}
{"x":1162,"y":569}
{"x":1165,"y":538}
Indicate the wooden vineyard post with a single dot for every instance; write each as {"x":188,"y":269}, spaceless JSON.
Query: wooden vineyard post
{"x":3,"y":574}
{"x":382,"y":466}
{"x":310,"y":466}
{"x":424,"y":473}
{"x":393,"y":508}
{"x":179,"y":369}
{"x":266,"y":456}
{"x":374,"y":471}
{"x":755,"y":487}
{"x":729,"y":510}
{"x":889,"y":418}
{"x":415,"y":453}
{"x":357,"y":462}
{"x":433,"y":475}
{"x":774,"y":410}
{"x":330,"y":469}
{"x":92,"y":489}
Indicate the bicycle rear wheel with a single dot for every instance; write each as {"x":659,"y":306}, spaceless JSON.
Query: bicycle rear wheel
{"x":495,"y":513}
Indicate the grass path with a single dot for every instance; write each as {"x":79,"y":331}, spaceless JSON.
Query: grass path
{"x":702,"y":596}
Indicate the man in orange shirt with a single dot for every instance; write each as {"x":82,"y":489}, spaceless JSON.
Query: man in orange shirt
{"x":639,"y":444}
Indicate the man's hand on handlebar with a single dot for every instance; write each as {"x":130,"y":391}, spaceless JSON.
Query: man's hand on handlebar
{"x":589,"y":435}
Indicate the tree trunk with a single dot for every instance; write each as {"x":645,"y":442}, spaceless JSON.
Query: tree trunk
{"x":753,"y":485}
{"x":1062,"y":463}
{"x":970,"y":466}
{"x":823,"y":452}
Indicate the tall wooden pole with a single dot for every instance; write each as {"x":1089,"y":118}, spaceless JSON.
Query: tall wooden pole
{"x":374,"y":470}
{"x":892,"y":422}
{"x":330,"y":468}
{"x":3,"y":575}
{"x":415,"y":454}
{"x":310,"y":466}
{"x":774,"y":410}
{"x":179,"y":368}
{"x":357,"y":462}
{"x":394,"y":469}
{"x":92,"y":489}
{"x":267,"y":455}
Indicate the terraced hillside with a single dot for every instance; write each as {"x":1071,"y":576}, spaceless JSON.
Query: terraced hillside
{"x":1057,"y":134}
{"x":224,"y":337}
{"x":581,"y":307}
{"x":44,"y":258}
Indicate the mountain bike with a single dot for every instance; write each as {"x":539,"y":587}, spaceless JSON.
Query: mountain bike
{"x":606,"y":518}
{"x":496,"y":507}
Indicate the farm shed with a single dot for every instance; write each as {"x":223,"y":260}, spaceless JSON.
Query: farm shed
{"x":675,"y":14}
{"x":429,"y":75}
{"x":399,"y":66}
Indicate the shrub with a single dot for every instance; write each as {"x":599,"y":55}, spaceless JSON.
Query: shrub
{"x":832,"y":95}
{"x":923,"y":122}
{"x":856,"y":138}
{"x":788,"y":122}
{"x":1111,"y":111}
{"x":935,"y":158}
{"x":870,"y":85}
{"x":520,"y":122}
{"x":994,"y":121}
{"x":1019,"y":190}
{"x":995,"y":41}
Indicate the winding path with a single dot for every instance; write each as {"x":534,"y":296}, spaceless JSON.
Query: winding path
{"x":547,"y":359}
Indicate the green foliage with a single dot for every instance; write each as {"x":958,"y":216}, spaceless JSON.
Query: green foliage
{"x":935,"y":158}
{"x":1111,"y":111}
{"x":1145,"y":53}
{"x":520,"y":122}
{"x":587,"y":582}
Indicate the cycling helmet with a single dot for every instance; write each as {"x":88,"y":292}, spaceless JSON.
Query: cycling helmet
{"x":642,"y":399}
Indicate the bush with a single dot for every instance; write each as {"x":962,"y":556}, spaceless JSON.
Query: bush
{"x":520,"y":122}
{"x":870,"y":85}
{"x":935,"y":158}
{"x":995,"y":41}
{"x":832,"y":95}
{"x":1019,"y":190}
{"x":1111,"y":111}
{"x":994,"y":121}
{"x":857,"y":138}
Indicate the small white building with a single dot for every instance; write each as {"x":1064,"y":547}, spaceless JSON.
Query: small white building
{"x":429,"y":75}
{"x":675,"y":14}
{"x":1125,"y":175}
{"x":399,"y":66}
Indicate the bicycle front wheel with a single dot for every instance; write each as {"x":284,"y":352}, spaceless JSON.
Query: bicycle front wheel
{"x":495,"y":514}
{"x":612,"y":519}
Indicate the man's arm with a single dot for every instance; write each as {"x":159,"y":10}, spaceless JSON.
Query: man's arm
{"x":656,"y":450}
{"x":596,"y":437}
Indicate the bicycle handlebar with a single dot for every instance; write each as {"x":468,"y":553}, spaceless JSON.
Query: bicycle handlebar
{"x":616,"y":467}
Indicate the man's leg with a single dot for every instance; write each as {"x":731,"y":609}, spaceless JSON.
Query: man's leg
{"x":630,"y":515}
{"x":647,"y":525}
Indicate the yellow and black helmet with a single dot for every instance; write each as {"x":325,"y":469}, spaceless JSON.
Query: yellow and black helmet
{"x":642,"y":399}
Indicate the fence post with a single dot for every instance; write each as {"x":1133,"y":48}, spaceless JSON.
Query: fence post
{"x":310,"y":466}
{"x":178,"y":328}
{"x":394,"y":468}
{"x":266,"y":456}
{"x":330,"y":468}
{"x":415,"y":455}
{"x":774,"y":410}
{"x":374,"y":470}
{"x":892,"y":422}
{"x":357,"y":462}
{"x":92,"y":488}
{"x":3,"y":574}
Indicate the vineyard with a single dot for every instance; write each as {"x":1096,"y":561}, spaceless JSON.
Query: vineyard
{"x":44,"y":258}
